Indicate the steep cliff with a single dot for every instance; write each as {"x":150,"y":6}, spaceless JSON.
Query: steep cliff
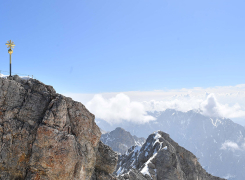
{"x":46,"y":136}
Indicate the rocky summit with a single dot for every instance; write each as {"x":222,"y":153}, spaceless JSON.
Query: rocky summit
{"x":46,"y":136}
{"x":218,"y":142}
{"x":120,"y":140}
{"x":160,"y":158}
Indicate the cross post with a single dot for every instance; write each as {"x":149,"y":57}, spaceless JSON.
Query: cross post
{"x":10,"y":44}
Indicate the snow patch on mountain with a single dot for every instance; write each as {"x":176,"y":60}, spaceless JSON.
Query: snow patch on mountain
{"x":160,"y":158}
{"x":218,"y":142}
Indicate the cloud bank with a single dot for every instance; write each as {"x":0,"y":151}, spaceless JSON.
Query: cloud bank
{"x":208,"y":104}
{"x":118,"y":108}
{"x":228,"y":102}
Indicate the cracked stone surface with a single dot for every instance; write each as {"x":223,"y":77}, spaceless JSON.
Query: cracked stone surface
{"x":47,"y":136}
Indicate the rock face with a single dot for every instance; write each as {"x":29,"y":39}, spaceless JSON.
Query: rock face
{"x":46,"y":136}
{"x":120,"y":140}
{"x":218,"y":142}
{"x":105,"y":158}
{"x":158,"y":159}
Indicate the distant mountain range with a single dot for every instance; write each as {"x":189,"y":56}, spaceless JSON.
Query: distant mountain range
{"x":219,"y":143}
{"x":120,"y":140}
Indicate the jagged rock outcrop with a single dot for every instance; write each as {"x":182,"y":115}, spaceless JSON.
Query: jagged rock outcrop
{"x":105,"y":158}
{"x":218,"y":142}
{"x":158,"y":159}
{"x":134,"y":174}
{"x":120,"y":140}
{"x":46,"y":136}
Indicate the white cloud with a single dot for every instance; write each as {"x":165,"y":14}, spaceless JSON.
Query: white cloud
{"x":178,"y":104}
{"x":226,"y":101}
{"x":210,"y":106}
{"x":229,"y":145}
{"x":117,"y":109}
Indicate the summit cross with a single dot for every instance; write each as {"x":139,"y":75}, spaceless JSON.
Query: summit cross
{"x":10,"y":44}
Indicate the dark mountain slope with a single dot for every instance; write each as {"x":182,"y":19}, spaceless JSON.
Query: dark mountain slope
{"x":158,"y":159}
{"x":120,"y":140}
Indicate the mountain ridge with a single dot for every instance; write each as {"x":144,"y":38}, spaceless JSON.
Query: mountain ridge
{"x":218,"y":142}
{"x":120,"y":140}
{"x":160,"y":158}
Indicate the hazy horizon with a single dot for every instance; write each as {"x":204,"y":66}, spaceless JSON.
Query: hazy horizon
{"x":228,"y":102}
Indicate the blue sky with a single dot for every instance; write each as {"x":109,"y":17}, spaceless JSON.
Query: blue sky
{"x":123,"y":45}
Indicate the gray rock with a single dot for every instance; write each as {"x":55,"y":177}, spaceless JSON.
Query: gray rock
{"x":102,"y":175}
{"x":206,"y":137}
{"x":134,"y":174}
{"x":160,"y":158}
{"x":106,"y":158}
{"x":120,"y":140}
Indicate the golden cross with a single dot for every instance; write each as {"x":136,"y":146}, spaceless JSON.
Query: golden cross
{"x":10,"y":44}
